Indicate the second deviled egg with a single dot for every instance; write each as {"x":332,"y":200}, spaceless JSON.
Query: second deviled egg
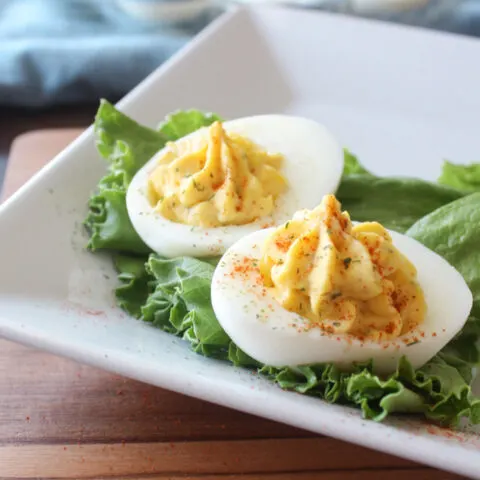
{"x":320,"y":289}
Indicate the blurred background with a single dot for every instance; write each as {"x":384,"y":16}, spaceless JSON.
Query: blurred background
{"x":58,"y":57}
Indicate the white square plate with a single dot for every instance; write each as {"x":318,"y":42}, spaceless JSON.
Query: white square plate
{"x":402,"y":99}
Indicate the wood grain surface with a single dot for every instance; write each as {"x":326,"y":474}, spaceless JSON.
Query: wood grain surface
{"x":63,"y":420}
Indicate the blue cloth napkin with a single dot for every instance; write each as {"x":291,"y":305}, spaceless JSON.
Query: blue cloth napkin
{"x":74,"y":51}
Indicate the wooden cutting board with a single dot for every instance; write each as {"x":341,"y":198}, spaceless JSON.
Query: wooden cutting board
{"x":63,"y":420}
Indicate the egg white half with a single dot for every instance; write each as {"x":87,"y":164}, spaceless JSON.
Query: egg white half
{"x":313,"y":166}
{"x":261,"y":327}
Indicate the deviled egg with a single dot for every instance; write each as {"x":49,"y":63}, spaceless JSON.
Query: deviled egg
{"x":201,"y":194}
{"x":319,"y":289}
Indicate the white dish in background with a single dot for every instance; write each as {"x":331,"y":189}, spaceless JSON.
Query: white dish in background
{"x":165,"y":11}
{"x":402,"y":99}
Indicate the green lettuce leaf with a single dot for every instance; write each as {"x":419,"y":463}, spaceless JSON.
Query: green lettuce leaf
{"x":448,"y":395}
{"x":352,"y":165}
{"x":465,"y":346}
{"x":109,"y":223}
{"x":135,"y":284}
{"x":462,"y":177}
{"x":180,"y":304}
{"x":127,"y":146}
{"x":187,"y":281}
{"x":397,"y":203}
{"x":181,"y":123}
{"x":438,"y":389}
{"x":453,"y":232}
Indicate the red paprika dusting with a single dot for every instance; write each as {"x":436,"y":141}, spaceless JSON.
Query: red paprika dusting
{"x":390,"y":328}
{"x":445,"y":432}
{"x":283,"y":244}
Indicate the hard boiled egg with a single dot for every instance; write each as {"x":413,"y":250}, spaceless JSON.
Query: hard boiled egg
{"x":261,"y":327}
{"x":312,"y":166}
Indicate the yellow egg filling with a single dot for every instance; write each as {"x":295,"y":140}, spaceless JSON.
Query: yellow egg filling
{"x":211,"y":179}
{"x":344,"y":278}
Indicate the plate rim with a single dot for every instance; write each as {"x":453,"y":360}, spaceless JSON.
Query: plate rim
{"x":387,"y":444}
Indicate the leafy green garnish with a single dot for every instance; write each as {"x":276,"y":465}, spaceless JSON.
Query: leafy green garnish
{"x":352,"y":165}
{"x":186,"y":284}
{"x":178,"y":303}
{"x":127,"y":146}
{"x":396,"y":203}
{"x":135,"y":284}
{"x":181,"y":123}
{"x":453,"y":231}
{"x":437,"y":390}
{"x":462,"y":177}
{"x":465,"y":345}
